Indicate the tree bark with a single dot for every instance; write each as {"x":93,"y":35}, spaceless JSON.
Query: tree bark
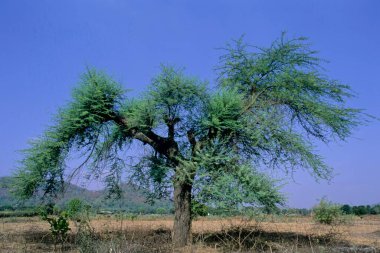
{"x":182,"y":214}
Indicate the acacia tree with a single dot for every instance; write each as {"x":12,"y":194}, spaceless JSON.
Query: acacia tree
{"x":210,"y":145}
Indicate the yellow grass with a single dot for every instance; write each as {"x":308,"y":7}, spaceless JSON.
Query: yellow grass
{"x":29,"y":234}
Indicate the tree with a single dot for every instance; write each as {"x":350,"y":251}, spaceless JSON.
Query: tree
{"x":210,"y":145}
{"x":359,"y":210}
{"x":375,"y":209}
{"x":346,"y":209}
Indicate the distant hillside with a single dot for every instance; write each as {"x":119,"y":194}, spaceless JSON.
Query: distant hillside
{"x":133,"y":200}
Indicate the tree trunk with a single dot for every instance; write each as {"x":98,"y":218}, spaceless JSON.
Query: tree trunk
{"x":182,"y":214}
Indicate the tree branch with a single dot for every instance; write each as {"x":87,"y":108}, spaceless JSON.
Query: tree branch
{"x":162,"y":145}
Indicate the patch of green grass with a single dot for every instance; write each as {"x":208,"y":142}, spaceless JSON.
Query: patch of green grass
{"x":18,"y":213}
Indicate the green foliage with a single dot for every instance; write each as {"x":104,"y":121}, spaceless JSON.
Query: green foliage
{"x":269,"y":106}
{"x":198,"y":209}
{"x":59,"y":226}
{"x":48,"y":209}
{"x":176,"y":96}
{"x":327,"y":213}
{"x":131,"y":216}
{"x":75,"y":207}
{"x":18,"y":213}
{"x":162,"y":210}
{"x":285,"y":89}
{"x":79,"y":212}
{"x":375,"y":209}
{"x":225,"y":183}
{"x":361,"y":209}
{"x":78,"y":125}
{"x":223,"y":112}
{"x":346,"y":209}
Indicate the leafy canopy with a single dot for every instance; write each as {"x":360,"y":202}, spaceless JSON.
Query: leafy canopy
{"x":269,"y":106}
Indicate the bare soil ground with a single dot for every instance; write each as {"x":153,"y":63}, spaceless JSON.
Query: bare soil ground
{"x":153,"y":234}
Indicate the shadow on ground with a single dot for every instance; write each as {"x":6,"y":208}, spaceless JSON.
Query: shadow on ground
{"x":235,"y":239}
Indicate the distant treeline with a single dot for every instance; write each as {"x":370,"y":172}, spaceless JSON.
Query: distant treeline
{"x":8,"y":210}
{"x":361,"y":210}
{"x":346,"y":209}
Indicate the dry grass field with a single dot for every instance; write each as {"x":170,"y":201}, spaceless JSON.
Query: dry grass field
{"x":211,"y":234}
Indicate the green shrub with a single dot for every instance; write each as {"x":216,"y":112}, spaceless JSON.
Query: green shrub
{"x":79,"y":213}
{"x":74,"y":208}
{"x":327,"y":212}
{"x":59,"y":226}
{"x":161,"y":210}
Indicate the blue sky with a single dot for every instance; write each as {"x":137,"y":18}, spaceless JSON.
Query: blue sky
{"x":45,"y":45}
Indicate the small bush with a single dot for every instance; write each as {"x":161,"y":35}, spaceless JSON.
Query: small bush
{"x":162,"y":210}
{"x":59,"y":226}
{"x":327,"y":212}
{"x":74,"y":208}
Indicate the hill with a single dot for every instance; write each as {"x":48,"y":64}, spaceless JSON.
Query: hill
{"x":133,"y":200}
